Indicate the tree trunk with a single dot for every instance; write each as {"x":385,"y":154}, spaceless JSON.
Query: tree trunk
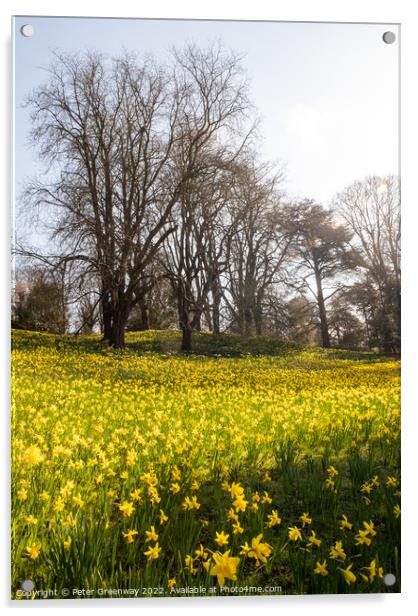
{"x":248,"y":321}
{"x":145,"y":321}
{"x":118,"y":331}
{"x":120,"y":316}
{"x":216,"y":296}
{"x":322,"y":312}
{"x":196,"y":324}
{"x":258,"y":319}
{"x":106,"y":317}
{"x":387,"y":334}
{"x":184,"y":320}
{"x":186,"y":340}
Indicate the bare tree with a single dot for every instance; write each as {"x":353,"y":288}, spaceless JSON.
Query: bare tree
{"x":196,"y":253}
{"x":113,"y":131}
{"x":322,"y":251}
{"x":371,"y":208}
{"x":258,"y":246}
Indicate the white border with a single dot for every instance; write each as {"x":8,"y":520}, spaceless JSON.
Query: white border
{"x":399,"y":11}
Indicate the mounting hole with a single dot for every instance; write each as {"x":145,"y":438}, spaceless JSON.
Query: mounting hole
{"x":27,"y":30}
{"x":389,"y":579}
{"x":27,"y":585}
{"x":389,"y":37}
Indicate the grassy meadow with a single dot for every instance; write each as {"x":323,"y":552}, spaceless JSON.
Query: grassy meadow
{"x":248,"y":463}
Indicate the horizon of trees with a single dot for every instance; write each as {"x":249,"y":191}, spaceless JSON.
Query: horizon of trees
{"x":162,"y":214}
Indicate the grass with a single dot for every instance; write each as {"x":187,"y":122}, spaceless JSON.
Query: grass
{"x":104,"y":441}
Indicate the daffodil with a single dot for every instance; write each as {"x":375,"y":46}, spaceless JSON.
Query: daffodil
{"x":330,"y":483}
{"x":374,"y":571}
{"x":369,"y":528}
{"x":200,"y":552}
{"x":232,"y":515}
{"x":221,"y":538}
{"x":260,"y":551}
{"x":337,"y":551}
{"x":294,"y":533}
{"x":189,"y":564}
{"x":236,"y":490}
{"x":191,"y":503}
{"x":313,"y":540}
{"x":349,"y":576}
{"x":240,"y":504}
{"x":33,"y":550}
{"x":225,"y":567}
{"x":305,"y":519}
{"x":273,"y":519}
{"x":127,"y":509}
{"x":321,"y":568}
{"x":332,"y":471}
{"x":163,"y":517}
{"x":391,"y":482}
{"x":153,"y":552}
{"x":135,"y":494}
{"x":362,"y":538}
{"x":78,"y":500}
{"x":151,"y":534}
{"x":366,"y":487}
{"x":237,"y":528}
{"x":344,"y":523}
{"x":130,"y":535}
{"x":245,"y":549}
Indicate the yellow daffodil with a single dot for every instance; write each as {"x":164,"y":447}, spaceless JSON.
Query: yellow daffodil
{"x":237,"y":528}
{"x":127,"y":509}
{"x":294,"y":533}
{"x":191,"y":503}
{"x":153,"y":552}
{"x":349,"y":576}
{"x":225,"y":567}
{"x":321,"y":568}
{"x":163,"y":517}
{"x":305,"y":519}
{"x":313,"y":540}
{"x":273,"y":519}
{"x":151,"y":535}
{"x":221,"y":538}
{"x":33,"y":550}
{"x":130,"y":535}
{"x":391,"y":482}
{"x":332,"y":471}
{"x":337,"y":551}
{"x":260,"y":551}
{"x":344,"y":523}
{"x":200,"y":552}
{"x":78,"y":500}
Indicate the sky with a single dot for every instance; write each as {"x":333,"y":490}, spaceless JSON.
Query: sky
{"x":327,"y":93}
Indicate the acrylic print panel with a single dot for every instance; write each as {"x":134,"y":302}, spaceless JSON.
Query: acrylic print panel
{"x":205,"y":308}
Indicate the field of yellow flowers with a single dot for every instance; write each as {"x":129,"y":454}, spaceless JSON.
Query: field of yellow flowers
{"x":250,"y":466}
